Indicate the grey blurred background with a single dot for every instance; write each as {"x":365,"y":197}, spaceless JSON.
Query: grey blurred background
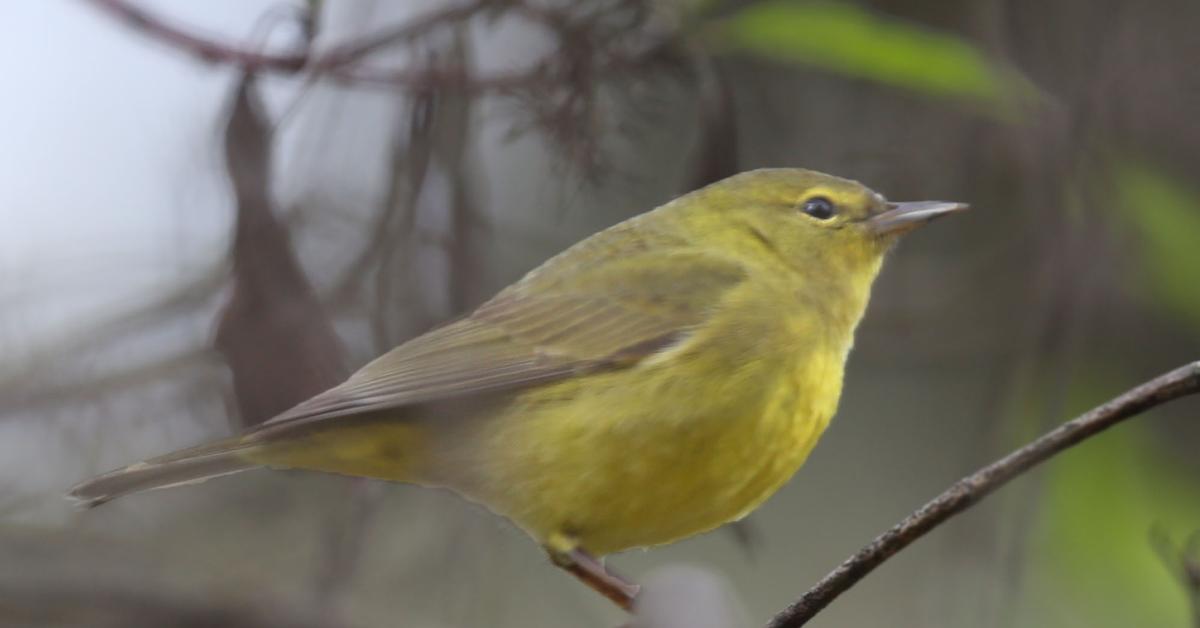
{"x":196,"y":239}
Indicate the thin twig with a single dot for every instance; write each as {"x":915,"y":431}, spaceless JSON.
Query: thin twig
{"x":206,"y":49}
{"x":1181,"y":382}
{"x":354,"y":51}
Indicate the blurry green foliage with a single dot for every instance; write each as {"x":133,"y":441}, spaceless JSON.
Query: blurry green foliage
{"x":1091,"y":562}
{"x":1165,"y":214}
{"x":854,"y":41}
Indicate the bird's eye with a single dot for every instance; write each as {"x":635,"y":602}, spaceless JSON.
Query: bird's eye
{"x":819,"y":207}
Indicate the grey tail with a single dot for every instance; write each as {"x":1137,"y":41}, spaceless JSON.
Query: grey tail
{"x":187,"y":466}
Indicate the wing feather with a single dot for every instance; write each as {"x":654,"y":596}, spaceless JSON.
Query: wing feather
{"x":595,"y":306}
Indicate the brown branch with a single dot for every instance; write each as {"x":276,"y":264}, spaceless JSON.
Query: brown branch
{"x":339,"y":63}
{"x":1181,"y":382}
{"x":351,"y":52}
{"x":253,"y":61}
{"x":206,"y":49}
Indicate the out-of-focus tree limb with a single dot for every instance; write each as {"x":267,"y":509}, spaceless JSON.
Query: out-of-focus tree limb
{"x":594,"y":44}
{"x":204,"y":48}
{"x":963,"y":494}
{"x":274,"y":333}
{"x":103,"y":606}
{"x":61,"y":391}
{"x":409,"y":165}
{"x":71,"y":580}
{"x":253,"y":61}
{"x":716,"y":154}
{"x":340,"y":63}
{"x":120,"y":325}
{"x":408,"y":162}
{"x":453,"y":127}
{"x":35,"y":379}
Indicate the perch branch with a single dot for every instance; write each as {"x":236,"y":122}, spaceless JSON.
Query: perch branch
{"x":1178,"y":383}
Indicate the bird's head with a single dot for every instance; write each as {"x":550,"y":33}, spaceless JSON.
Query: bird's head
{"x":816,"y":223}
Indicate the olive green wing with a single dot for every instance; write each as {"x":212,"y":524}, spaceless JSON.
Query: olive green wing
{"x":596,"y":306}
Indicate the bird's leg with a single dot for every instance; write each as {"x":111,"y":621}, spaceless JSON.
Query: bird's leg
{"x":589,"y":570}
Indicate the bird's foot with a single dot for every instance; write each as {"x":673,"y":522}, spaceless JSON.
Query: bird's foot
{"x":590,"y":571}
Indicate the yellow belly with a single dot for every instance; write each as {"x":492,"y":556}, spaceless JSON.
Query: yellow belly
{"x":632,"y":457}
{"x":635,"y":458}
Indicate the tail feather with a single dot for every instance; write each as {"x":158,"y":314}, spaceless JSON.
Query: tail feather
{"x":188,"y":466}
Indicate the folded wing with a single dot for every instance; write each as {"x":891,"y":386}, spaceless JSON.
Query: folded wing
{"x":606,"y":303}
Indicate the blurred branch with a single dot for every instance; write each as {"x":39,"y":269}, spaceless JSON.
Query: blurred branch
{"x":206,"y":49}
{"x":963,"y":494}
{"x":593,"y":44}
{"x":105,"y":605}
{"x":352,"y":52}
{"x":278,"y":341}
{"x":453,"y":123}
{"x":56,"y":393}
{"x":69,"y":578}
{"x":409,"y":166}
{"x":339,"y":64}
{"x":408,"y":162}
{"x":32,"y":380}
{"x":717,"y":151}
{"x":253,"y":61}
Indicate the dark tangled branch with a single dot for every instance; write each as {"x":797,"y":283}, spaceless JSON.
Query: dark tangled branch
{"x":595,"y":45}
{"x":1181,"y":382}
{"x":340,"y":63}
{"x":253,"y":61}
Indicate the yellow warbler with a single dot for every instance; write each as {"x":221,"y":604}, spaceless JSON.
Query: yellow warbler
{"x":654,"y":381}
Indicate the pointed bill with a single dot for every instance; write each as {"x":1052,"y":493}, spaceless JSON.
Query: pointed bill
{"x":903,"y":217}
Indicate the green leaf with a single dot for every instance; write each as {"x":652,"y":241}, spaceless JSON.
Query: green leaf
{"x":1091,"y":561}
{"x":853,"y":41}
{"x":1165,"y":214}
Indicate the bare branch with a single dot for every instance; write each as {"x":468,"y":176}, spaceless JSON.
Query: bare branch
{"x":252,"y":61}
{"x":206,"y":49}
{"x":963,"y":494}
{"x":339,"y":64}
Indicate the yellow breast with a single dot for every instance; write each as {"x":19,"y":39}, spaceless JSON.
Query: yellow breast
{"x":673,"y":450}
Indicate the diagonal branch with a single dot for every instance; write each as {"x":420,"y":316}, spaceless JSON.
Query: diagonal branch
{"x":206,"y":49}
{"x":963,"y":494}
